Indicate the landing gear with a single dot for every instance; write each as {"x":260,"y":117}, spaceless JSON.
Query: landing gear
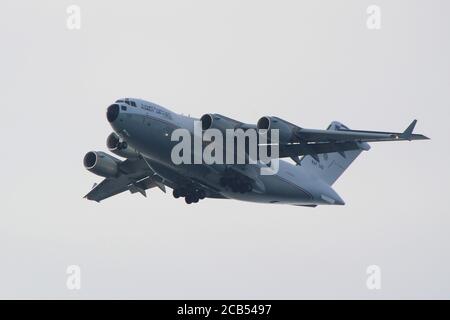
{"x":190,"y":195}
{"x":189,"y":199}
{"x":177,"y":193}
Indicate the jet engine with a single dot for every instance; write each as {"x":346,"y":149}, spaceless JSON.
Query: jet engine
{"x":217,"y":121}
{"x":121,"y":148}
{"x":287,"y":131}
{"x":101,"y":164}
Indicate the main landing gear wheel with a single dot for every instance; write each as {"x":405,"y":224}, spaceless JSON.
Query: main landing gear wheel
{"x":190,"y":196}
{"x":188,"y":199}
{"x":177,"y":193}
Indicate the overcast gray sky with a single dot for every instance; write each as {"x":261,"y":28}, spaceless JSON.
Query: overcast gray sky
{"x":310,"y":62}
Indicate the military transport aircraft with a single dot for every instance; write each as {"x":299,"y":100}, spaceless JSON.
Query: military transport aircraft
{"x":143,"y":137}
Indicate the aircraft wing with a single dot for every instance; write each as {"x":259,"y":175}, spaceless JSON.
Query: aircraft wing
{"x":340,"y":139}
{"x":300,"y":149}
{"x":343,"y":134}
{"x":136,"y":176}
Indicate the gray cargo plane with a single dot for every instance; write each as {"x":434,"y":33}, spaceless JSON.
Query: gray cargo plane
{"x":142,"y":135}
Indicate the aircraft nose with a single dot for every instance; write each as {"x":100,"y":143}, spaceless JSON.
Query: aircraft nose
{"x":112,"y":112}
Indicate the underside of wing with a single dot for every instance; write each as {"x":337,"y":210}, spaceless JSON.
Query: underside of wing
{"x":300,"y":149}
{"x":111,"y":186}
{"x":135,"y":176}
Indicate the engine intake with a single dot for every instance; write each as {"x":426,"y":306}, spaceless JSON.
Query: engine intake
{"x":101,"y":164}
{"x":120,"y":148}
{"x":287,"y":131}
{"x":218,"y":121}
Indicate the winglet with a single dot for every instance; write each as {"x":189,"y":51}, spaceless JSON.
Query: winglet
{"x":407,"y":134}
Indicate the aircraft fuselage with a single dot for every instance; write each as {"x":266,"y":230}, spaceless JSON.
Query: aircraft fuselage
{"x":147,"y":127}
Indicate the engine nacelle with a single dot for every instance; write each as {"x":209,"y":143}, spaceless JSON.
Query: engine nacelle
{"x":121,"y":148}
{"x":218,"y":121}
{"x":286,"y":129}
{"x":101,"y":164}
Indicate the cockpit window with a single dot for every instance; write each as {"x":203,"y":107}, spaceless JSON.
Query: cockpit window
{"x":128,"y":102}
